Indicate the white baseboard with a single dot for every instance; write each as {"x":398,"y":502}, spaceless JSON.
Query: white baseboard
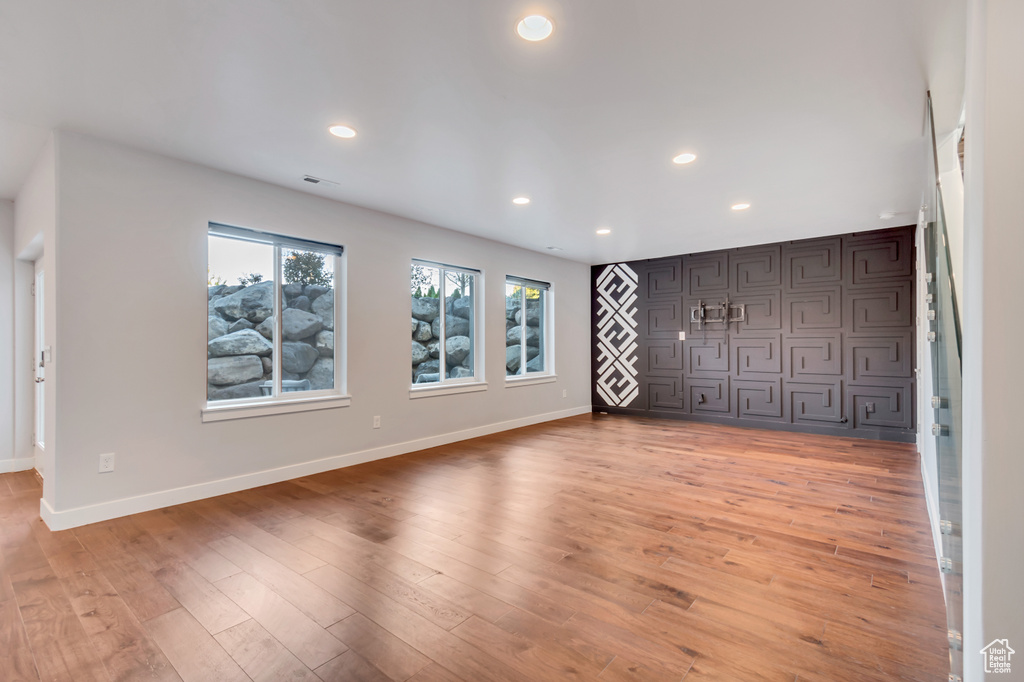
{"x":20,"y":464}
{"x":80,"y":516}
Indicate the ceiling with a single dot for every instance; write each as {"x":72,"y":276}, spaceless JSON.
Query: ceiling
{"x":811,"y":111}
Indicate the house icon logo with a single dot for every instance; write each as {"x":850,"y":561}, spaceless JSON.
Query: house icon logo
{"x":997,"y":656}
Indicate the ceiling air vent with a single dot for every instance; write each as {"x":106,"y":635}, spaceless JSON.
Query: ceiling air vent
{"x":313,"y":180}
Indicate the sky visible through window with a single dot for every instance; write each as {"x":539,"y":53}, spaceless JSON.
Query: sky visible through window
{"x":426,"y":277}
{"x":423,"y":278}
{"x":232,"y":259}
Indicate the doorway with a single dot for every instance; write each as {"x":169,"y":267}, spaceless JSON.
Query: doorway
{"x":39,"y":363}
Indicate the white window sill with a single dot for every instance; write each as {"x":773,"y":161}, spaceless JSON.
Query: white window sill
{"x":446,"y":389}
{"x":530,"y":380}
{"x":217,"y":413}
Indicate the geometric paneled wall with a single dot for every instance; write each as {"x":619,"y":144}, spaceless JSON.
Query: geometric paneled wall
{"x":819,"y":336}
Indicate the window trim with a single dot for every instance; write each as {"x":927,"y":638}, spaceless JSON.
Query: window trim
{"x":246,"y":234}
{"x":477,"y":382}
{"x":244,"y":408}
{"x":548,"y":374}
{"x":279,"y":402}
{"x":535,"y":378}
{"x":427,"y":390}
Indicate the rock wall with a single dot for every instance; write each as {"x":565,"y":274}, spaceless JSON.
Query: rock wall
{"x":426,"y":338}
{"x":426,"y":342}
{"x":514,"y":336}
{"x":241,"y":332}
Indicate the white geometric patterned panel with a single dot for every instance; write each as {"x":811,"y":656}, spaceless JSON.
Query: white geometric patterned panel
{"x":616,"y":335}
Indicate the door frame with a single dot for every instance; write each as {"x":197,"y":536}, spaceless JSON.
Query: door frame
{"x":39,"y":363}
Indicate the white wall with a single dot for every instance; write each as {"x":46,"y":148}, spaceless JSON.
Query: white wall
{"x":35,"y":231}
{"x":6,"y":336}
{"x":35,"y":207}
{"x":132,"y":254}
{"x":23,"y":374}
{"x":993,"y":465}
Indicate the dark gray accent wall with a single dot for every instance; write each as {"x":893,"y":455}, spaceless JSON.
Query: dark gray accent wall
{"x":827,"y":344}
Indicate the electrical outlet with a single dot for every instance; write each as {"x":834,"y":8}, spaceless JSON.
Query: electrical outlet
{"x":376,"y":422}
{"x":106,"y":462}
{"x":869,"y":407}
{"x":682,"y":336}
{"x":565,"y":393}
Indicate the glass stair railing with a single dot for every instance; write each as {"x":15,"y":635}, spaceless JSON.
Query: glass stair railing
{"x":944,"y":344}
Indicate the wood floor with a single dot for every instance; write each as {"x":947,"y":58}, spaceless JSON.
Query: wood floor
{"x":592,"y":548}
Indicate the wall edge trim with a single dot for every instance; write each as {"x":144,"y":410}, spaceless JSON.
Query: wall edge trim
{"x":103,"y":511}
{"x":8,"y":466}
{"x":864,"y":434}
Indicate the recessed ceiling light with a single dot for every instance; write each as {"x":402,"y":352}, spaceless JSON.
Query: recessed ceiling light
{"x":684,"y":158}
{"x":604,"y":230}
{"x":554,"y":248}
{"x":534,"y":28}
{"x":342,"y":131}
{"x":888,"y":215}
{"x":521,"y":201}
{"x":740,"y":207}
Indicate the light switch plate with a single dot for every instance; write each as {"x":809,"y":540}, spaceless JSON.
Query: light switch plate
{"x":682,"y":336}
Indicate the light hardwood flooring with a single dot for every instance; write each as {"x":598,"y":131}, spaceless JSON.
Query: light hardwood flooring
{"x":592,"y":548}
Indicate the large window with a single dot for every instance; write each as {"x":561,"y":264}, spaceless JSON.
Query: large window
{"x":526,"y":334}
{"x":255,"y":354}
{"x":444,"y":324}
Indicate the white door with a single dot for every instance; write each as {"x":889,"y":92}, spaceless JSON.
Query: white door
{"x":40,"y":368}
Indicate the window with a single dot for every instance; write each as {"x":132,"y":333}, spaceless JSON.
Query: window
{"x":254,"y":354}
{"x":444,"y":324}
{"x":526,"y":333}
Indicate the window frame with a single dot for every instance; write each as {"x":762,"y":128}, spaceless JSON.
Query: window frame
{"x":299,"y":401}
{"x":476,"y":382}
{"x":547,"y":333}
